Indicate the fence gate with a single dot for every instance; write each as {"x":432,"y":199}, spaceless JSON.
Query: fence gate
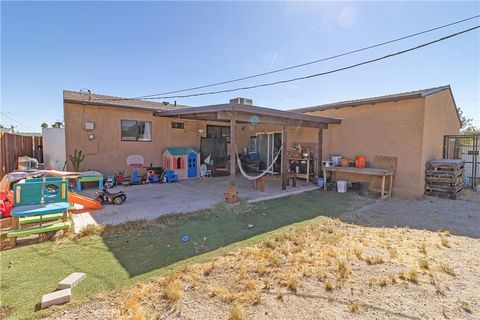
{"x":465,"y":147}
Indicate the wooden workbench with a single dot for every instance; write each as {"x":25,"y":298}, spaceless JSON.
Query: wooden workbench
{"x":365,"y":171}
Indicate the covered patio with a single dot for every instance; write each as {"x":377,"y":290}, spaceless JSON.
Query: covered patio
{"x":239,"y":113}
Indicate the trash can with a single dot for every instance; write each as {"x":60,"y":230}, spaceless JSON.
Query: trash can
{"x":342,"y":186}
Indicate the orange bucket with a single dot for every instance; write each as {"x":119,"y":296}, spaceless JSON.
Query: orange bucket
{"x":360,"y":161}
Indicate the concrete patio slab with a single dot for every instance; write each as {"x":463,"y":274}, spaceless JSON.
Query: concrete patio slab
{"x":151,"y":201}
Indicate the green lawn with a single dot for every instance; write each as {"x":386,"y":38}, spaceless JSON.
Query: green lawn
{"x":138,"y":251}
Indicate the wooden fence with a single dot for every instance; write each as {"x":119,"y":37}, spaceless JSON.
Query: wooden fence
{"x":13,"y":146}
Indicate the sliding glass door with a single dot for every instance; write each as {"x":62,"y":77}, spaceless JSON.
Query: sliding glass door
{"x":268,"y":146}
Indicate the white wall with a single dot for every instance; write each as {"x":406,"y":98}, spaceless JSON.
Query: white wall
{"x":54,"y":154}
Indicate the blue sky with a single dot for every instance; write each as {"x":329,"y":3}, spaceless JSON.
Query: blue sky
{"x":137,"y":48}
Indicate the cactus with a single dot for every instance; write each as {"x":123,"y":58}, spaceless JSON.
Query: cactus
{"x":76,"y":159}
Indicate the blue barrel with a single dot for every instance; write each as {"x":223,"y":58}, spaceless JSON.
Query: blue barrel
{"x":320,"y":182}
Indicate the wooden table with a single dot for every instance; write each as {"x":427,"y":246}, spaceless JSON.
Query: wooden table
{"x":365,"y":171}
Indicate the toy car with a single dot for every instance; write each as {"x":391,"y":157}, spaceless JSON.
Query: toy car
{"x":112,"y":198}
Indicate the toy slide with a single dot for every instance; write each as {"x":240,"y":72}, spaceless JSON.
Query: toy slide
{"x":87,"y":202}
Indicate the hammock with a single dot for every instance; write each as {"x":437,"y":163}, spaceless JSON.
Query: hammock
{"x":260,"y":175}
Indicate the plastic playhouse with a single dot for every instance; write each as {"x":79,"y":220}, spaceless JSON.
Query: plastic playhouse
{"x":184,"y":161}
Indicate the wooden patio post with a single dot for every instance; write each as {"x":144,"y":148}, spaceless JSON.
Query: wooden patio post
{"x":284,"y":157}
{"x":319,"y":152}
{"x":233,"y":142}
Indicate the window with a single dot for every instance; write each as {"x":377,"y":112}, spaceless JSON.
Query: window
{"x":134,"y":130}
{"x":178,"y":125}
{"x":218,"y":132}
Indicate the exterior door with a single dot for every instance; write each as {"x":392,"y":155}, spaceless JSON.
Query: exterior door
{"x":268,"y":145}
{"x":192,"y":164}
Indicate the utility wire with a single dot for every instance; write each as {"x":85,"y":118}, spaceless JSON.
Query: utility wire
{"x":302,"y":64}
{"x":12,"y":119}
{"x":317,"y":74}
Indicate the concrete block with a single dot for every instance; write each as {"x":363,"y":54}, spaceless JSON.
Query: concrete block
{"x":72,"y":280}
{"x":57,"y":297}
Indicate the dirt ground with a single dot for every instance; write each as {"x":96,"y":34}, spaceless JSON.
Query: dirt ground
{"x":459,"y":217}
{"x":327,"y":270}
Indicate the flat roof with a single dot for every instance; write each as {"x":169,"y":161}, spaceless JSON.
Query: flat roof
{"x":246,"y":113}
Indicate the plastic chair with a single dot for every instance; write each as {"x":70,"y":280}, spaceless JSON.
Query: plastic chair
{"x":171,"y":176}
{"x":204,"y":172}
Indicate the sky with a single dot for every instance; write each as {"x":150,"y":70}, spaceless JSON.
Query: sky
{"x":131,"y":49}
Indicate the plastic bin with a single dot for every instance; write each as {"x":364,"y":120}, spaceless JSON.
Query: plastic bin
{"x":342,"y":186}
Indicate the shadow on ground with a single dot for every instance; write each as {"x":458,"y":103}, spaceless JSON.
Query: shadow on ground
{"x":159,"y":243}
{"x":460,"y":217}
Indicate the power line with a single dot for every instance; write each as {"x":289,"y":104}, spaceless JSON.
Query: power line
{"x":302,"y":64}
{"x":17,"y":122}
{"x":319,"y":74}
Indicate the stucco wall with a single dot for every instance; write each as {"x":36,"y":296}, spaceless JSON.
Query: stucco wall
{"x":389,"y":129}
{"x":107,"y":153}
{"x":440,"y":119}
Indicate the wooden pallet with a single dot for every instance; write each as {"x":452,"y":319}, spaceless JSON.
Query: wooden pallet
{"x":444,"y":178}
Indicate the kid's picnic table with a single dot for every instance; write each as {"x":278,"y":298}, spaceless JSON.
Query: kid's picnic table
{"x":89,"y":176}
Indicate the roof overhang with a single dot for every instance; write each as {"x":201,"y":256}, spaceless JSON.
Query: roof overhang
{"x":246,"y":113}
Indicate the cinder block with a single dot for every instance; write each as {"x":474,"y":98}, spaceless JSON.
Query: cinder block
{"x":57,"y":297}
{"x":72,"y":280}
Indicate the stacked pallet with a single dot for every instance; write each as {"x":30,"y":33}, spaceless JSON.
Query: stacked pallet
{"x":444,"y":178}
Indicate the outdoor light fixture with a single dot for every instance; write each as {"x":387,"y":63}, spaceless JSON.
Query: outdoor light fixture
{"x":91,"y":136}
{"x":201,"y":131}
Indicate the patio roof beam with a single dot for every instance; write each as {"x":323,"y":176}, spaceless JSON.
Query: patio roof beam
{"x":247,"y":118}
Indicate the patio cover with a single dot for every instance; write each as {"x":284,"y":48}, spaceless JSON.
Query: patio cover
{"x":241,"y":113}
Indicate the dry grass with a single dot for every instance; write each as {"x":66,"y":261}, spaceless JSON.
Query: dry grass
{"x":326,"y":253}
{"x":412,"y":276}
{"x":445,"y":268}
{"x":343,"y":270}
{"x":90,"y":230}
{"x":465,"y":306}
{"x":423,"y":248}
{"x":423,"y":264}
{"x":355,"y":307}
{"x":373,"y":260}
{"x":237,"y":312}
{"x":445,"y":243}
{"x":172,"y":291}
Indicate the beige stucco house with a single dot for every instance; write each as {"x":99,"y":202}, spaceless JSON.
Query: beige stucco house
{"x":409,"y":126}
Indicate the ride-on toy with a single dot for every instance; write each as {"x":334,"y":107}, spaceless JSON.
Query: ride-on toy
{"x":107,"y":197}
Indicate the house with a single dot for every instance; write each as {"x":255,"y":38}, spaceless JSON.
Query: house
{"x":109,"y":129}
{"x":410,"y":126}
{"x":184,"y":161}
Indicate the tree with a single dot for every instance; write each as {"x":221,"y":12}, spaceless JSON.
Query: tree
{"x":467,"y":123}
{"x":44,"y":125}
{"x":57,"y":124}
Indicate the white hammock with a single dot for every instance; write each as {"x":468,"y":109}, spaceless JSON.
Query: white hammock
{"x":260,"y":175}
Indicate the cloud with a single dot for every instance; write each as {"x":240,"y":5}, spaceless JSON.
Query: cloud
{"x":347,"y":18}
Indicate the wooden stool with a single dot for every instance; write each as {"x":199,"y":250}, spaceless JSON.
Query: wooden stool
{"x":259,"y":184}
{"x":292,"y":176}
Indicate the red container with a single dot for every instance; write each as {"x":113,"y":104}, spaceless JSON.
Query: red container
{"x":360,"y":161}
